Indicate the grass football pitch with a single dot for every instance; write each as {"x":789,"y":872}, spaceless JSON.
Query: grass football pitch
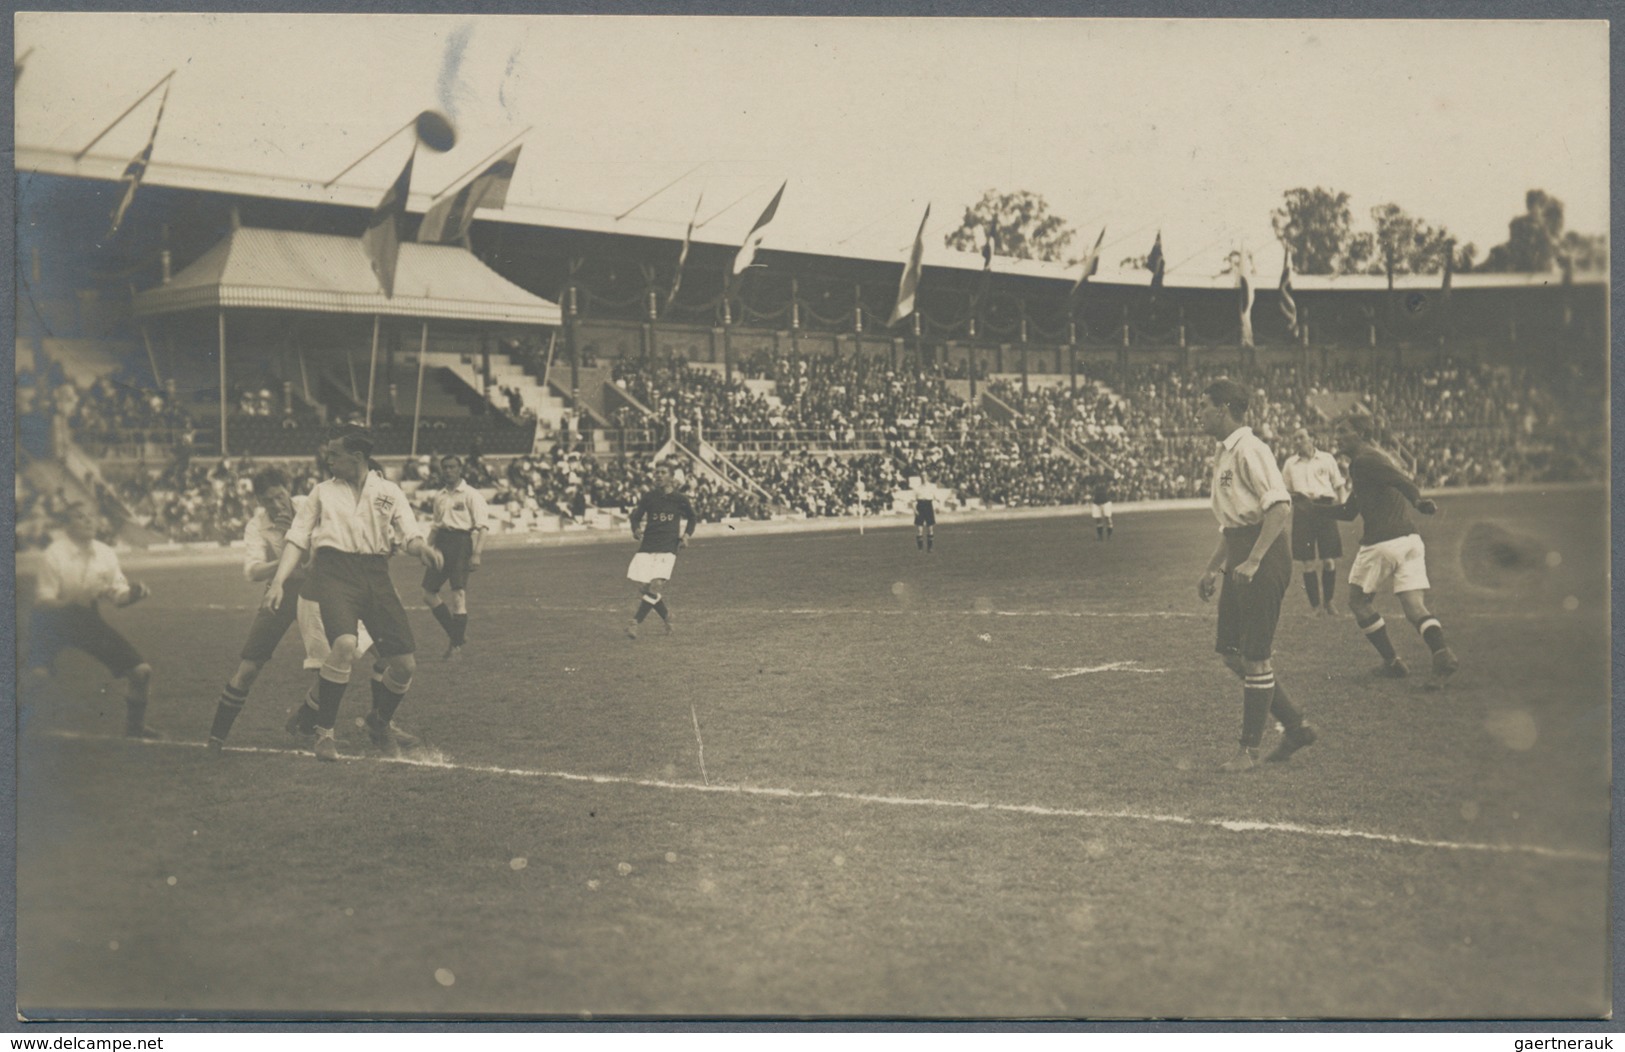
{"x":857,"y":780}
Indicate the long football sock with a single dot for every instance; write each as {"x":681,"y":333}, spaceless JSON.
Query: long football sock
{"x":1311,"y":585}
{"x":1108,"y":529}
{"x":443,"y":614}
{"x":1376,"y":632}
{"x":328,"y":697}
{"x":1432,"y":633}
{"x":646,"y":603}
{"x":459,"y":635}
{"x":387,"y":695}
{"x":1328,"y":585}
{"x":1258,"y":691}
{"x":660,"y":608}
{"x":1100,"y":532}
{"x":1282,"y":709}
{"x":225,"y":712}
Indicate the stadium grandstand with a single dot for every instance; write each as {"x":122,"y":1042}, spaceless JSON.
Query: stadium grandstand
{"x":235,"y":317}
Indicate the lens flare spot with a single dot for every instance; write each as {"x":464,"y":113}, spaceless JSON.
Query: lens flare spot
{"x":444,"y":977}
{"x":1513,"y":728}
{"x":518,"y":863}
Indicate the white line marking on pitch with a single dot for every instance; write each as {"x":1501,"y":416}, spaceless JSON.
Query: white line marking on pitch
{"x":1114,"y":666}
{"x":1233,"y":825}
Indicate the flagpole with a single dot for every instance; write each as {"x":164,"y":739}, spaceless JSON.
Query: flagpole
{"x":161,"y":82}
{"x":488,"y":157}
{"x":660,"y":191}
{"x":372,"y":368}
{"x":387,"y":139}
{"x":417,"y":409}
{"x":222,"y":318}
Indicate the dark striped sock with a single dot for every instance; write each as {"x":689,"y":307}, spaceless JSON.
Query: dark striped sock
{"x":1311,"y":585}
{"x":1258,"y":691}
{"x":225,"y":712}
{"x":1376,"y":632}
{"x":1328,"y":585}
{"x":1432,"y":633}
{"x":328,"y":697}
{"x":645,"y":603}
{"x":660,"y":608}
{"x":459,"y":624}
{"x":386,"y":697}
{"x":443,"y":614}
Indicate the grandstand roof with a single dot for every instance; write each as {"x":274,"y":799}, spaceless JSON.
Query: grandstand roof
{"x":287,"y":270}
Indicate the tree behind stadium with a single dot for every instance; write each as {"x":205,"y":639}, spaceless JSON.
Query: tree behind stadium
{"x":1020,"y":224}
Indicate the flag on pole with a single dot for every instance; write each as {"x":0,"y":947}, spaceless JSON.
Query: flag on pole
{"x":1245,"y":304}
{"x":136,"y":170}
{"x":1289,"y":306}
{"x":382,"y":241}
{"x":682,"y":255}
{"x":1091,"y":262}
{"x":911,"y":275}
{"x":991,"y":236}
{"x":448,"y":220}
{"x":753,"y":240}
{"x":1156,"y":264}
{"x":1449,"y":271}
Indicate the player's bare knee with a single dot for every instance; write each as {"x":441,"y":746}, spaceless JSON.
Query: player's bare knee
{"x":400,"y":667}
{"x":1234,"y":663}
{"x":431,"y":599}
{"x":458,"y":601}
{"x":1328,"y":564}
{"x":1256,"y":668}
{"x":1415,"y":606}
{"x":343,"y":652}
{"x":246,"y":674}
{"x":140,"y":676}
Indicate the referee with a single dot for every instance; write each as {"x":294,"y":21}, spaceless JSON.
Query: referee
{"x":458,"y":533}
{"x":1252,"y":505}
{"x":354,"y":521}
{"x":78,"y":573}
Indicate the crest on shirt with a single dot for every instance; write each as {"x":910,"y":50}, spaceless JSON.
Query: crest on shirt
{"x":383,"y":503}
{"x":1226,"y":477}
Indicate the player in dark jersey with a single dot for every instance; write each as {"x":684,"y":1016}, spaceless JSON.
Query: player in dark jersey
{"x":662,"y":521}
{"x":1100,"y":496}
{"x":1391,"y":555}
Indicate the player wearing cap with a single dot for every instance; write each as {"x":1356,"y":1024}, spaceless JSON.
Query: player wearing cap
{"x":458,"y":533}
{"x":353,"y":522}
{"x":1252,"y":505}
{"x":662,"y":522}
{"x":78,"y":573}
{"x":1317,"y":487}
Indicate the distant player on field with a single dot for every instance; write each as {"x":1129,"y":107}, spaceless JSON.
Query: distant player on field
{"x":1100,"y":497}
{"x":353,"y":521}
{"x":1317,"y":487}
{"x":459,"y":534}
{"x":77,"y":574}
{"x":1251,"y":503}
{"x":925,"y":514}
{"x":1391,"y":556}
{"x":264,"y":537}
{"x":662,"y":522}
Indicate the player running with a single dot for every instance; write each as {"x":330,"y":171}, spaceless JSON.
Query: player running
{"x":458,"y":533}
{"x":1100,"y":496}
{"x":662,"y":522}
{"x":1392,"y":556}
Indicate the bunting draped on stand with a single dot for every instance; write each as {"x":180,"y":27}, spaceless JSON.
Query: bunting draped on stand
{"x":136,"y":170}
{"x":448,"y":220}
{"x":911,"y":275}
{"x":1245,"y":305}
{"x":1157,"y":264}
{"x":753,"y":240}
{"x":382,"y":240}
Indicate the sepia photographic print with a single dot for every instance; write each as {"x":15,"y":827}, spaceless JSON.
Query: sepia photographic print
{"x":838,"y":518}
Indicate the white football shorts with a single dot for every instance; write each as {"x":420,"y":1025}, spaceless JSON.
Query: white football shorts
{"x":1397,"y":565}
{"x":1103,"y":511}
{"x":651,"y":566}
{"x":314,"y":634}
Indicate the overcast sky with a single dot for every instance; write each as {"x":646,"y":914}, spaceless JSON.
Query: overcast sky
{"x":1191,"y":127}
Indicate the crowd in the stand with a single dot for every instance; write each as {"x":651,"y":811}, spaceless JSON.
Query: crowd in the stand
{"x":825,"y":436}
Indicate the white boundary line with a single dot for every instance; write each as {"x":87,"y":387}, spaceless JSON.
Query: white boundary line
{"x":1233,"y":825}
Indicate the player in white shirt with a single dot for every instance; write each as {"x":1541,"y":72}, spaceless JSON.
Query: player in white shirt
{"x":354,"y":522}
{"x":458,"y":533}
{"x":1318,"y":488}
{"x":263,"y":539}
{"x":926,"y":496}
{"x":78,"y":573}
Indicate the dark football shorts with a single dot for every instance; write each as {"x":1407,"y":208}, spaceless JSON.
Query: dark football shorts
{"x":1314,"y":529}
{"x":925,"y":513}
{"x":59,"y":628}
{"x":356,"y":588}
{"x":1248,"y":613}
{"x":271,"y":625}
{"x":458,"y":548}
